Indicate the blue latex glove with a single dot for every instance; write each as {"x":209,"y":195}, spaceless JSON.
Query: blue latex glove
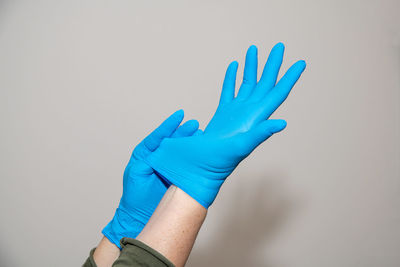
{"x":200,"y":164}
{"x":142,"y":188}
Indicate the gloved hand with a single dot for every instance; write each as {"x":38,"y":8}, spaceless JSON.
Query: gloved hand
{"x":142,"y":188}
{"x":200,"y":164}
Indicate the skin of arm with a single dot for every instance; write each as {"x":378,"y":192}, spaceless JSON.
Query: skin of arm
{"x":174,"y":226}
{"x":106,"y":253}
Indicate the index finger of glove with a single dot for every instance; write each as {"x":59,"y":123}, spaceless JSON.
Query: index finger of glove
{"x":166,"y":129}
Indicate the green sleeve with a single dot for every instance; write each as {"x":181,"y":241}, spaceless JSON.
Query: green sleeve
{"x":90,"y":261}
{"x":134,"y":254}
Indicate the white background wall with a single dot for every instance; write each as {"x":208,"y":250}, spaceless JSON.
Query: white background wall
{"x":82,"y":82}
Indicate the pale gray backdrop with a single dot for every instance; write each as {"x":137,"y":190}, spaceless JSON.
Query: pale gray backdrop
{"x":82,"y":82}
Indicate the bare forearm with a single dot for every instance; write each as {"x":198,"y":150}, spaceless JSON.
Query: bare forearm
{"x":174,"y":225}
{"x":106,"y":253}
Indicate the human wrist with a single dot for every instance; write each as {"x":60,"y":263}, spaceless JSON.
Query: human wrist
{"x":106,"y":253}
{"x":174,"y":225}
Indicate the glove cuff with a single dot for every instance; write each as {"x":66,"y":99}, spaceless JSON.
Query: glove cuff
{"x":122,"y":225}
{"x":205,"y":189}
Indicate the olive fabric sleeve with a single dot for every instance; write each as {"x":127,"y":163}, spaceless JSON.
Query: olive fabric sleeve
{"x":134,"y":254}
{"x":90,"y":261}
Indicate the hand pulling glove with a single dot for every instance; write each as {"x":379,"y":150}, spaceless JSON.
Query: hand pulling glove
{"x":199,"y":164}
{"x":142,"y":188}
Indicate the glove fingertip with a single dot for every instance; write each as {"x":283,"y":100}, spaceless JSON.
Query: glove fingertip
{"x":194,"y":124}
{"x":282,"y":125}
{"x":178,"y":114}
{"x":275,"y":126}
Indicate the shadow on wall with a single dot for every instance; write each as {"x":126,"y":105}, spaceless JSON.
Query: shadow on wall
{"x":253,"y":218}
